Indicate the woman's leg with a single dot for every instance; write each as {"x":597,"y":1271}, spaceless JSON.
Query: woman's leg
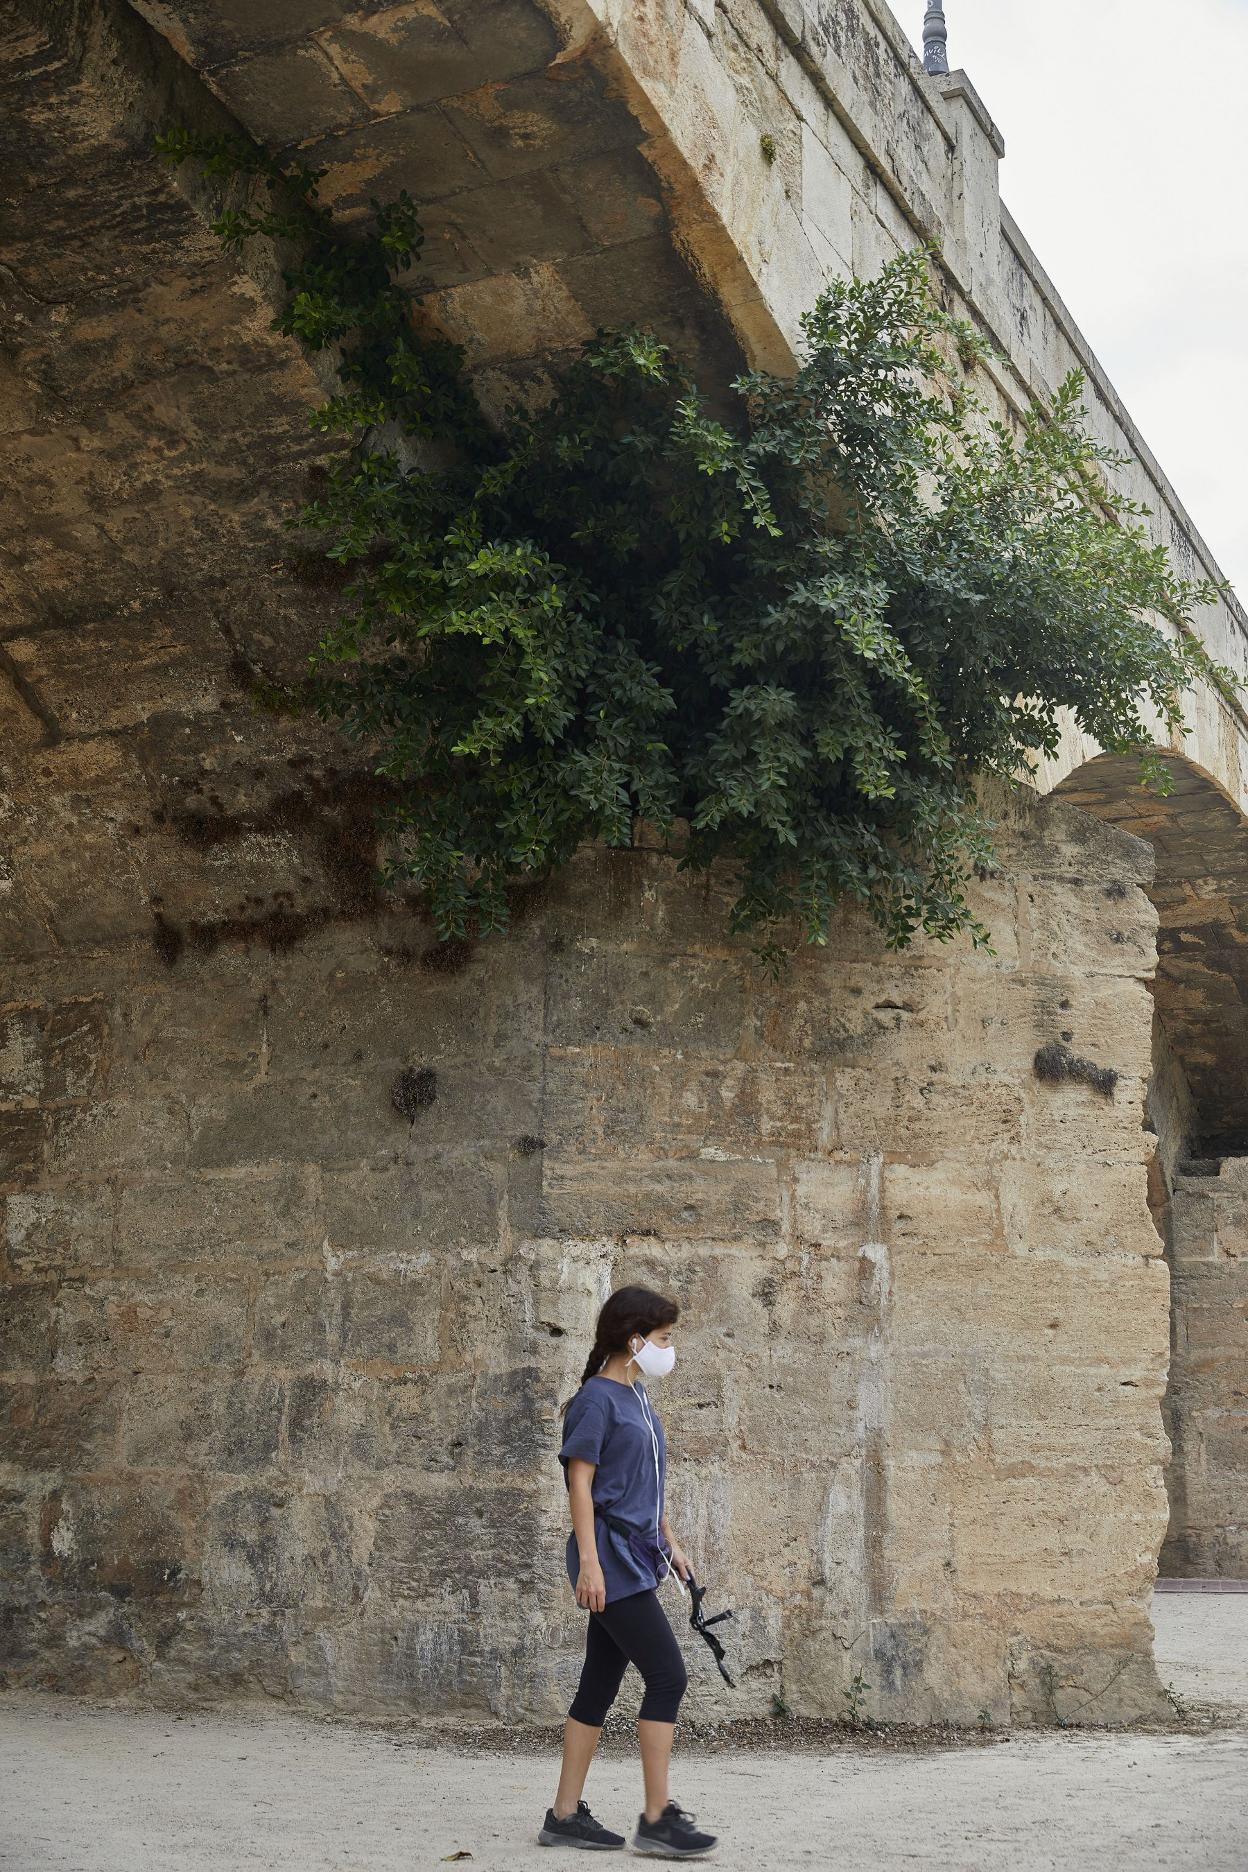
{"x":579,"y":1742}
{"x":601,"y":1676}
{"x":640,"y":1629}
{"x":656,"y":1740}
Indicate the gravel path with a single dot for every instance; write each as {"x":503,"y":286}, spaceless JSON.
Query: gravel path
{"x":86,"y":1788}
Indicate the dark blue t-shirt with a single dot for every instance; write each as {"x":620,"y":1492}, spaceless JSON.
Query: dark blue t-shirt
{"x":606,"y":1425}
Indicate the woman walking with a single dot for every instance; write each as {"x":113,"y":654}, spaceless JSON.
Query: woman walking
{"x":621,"y":1548}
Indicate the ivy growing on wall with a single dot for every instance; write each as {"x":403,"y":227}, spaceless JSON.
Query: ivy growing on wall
{"x":806,"y":629}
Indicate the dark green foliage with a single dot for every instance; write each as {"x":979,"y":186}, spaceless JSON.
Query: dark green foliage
{"x":807,"y":634}
{"x":340,"y":292}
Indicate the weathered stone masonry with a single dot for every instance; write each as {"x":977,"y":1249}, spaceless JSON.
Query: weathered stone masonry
{"x":1206,"y":1418}
{"x":304,"y":1229}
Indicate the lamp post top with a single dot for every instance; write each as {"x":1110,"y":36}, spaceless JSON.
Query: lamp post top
{"x":935,"y":38}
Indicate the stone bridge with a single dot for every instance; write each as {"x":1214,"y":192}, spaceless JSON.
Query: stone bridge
{"x":280,"y":1362}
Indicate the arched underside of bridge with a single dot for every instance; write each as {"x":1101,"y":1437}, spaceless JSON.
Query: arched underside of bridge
{"x":1198,"y":1106}
{"x":552,"y":202}
{"x":1201,"y":894}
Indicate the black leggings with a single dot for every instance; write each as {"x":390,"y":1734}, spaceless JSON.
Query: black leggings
{"x":630,"y":1631}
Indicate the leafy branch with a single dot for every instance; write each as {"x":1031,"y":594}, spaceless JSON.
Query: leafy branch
{"x":804,"y":635}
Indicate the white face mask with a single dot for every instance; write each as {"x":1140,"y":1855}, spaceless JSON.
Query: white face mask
{"x":654,"y":1361}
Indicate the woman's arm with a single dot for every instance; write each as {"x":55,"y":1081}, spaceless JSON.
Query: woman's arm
{"x":680,"y":1559}
{"x":591,"y":1587}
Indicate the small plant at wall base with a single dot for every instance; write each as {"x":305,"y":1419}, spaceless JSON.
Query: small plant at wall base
{"x":807,"y":634}
{"x":853,"y":1696}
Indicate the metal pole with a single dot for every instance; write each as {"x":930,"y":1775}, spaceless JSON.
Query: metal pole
{"x":935,"y":38}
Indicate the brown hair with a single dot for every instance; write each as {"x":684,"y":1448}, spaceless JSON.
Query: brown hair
{"x":629,"y":1310}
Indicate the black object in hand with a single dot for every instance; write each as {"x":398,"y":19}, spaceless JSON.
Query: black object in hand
{"x":702,"y":1625}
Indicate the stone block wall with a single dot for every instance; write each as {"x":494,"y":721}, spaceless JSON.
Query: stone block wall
{"x":303,"y":1230}
{"x":281,"y":1363}
{"x":1206,"y":1407}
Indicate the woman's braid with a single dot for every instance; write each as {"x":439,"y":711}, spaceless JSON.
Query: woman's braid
{"x":595,"y":1361}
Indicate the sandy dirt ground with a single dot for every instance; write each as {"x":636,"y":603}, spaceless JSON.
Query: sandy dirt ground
{"x":88,"y":1788}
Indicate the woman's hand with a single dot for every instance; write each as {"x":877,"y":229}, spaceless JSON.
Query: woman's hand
{"x":591,"y":1587}
{"x":680,"y":1560}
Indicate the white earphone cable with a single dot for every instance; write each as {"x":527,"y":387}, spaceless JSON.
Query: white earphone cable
{"x":658,"y":1486}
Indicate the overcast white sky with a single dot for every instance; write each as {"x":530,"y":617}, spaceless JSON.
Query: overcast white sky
{"x":1126,"y":166}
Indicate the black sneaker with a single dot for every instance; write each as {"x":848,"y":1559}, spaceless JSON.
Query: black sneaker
{"x":579,"y":1829}
{"x":672,"y":1836}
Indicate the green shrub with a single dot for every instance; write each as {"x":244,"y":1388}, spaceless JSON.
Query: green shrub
{"x":806,"y":630}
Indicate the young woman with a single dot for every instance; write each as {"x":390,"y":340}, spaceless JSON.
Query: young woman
{"x":621,"y":1548}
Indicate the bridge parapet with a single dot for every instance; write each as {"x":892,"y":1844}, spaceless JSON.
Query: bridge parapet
{"x":873,"y":155}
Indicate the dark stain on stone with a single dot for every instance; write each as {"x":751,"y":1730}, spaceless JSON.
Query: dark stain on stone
{"x":1055,"y":1064}
{"x":414,"y":1091}
{"x":525,"y":897}
{"x":167,"y":940}
{"x":401,"y":954}
{"x":277,"y":930}
{"x":529,"y":1146}
{"x":767,"y":1290}
{"x":447,"y":958}
{"x":874,"y":1485}
{"x":898,"y":1652}
{"x":336,"y":813}
{"x":317,"y":571}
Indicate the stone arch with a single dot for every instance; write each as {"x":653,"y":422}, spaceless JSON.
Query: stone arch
{"x":1198,"y":1110}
